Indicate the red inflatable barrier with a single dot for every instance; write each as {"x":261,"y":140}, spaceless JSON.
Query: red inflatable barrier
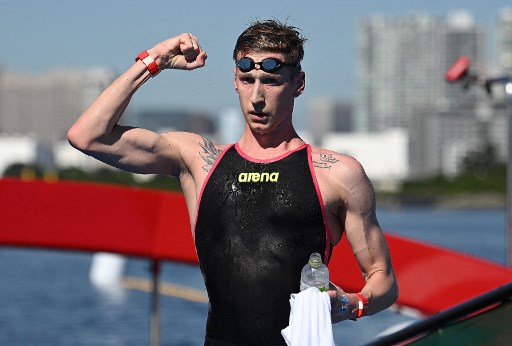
{"x":96,"y":217}
{"x":155,"y":224}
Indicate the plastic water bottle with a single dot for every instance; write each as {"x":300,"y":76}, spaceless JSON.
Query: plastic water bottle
{"x":314,"y":274}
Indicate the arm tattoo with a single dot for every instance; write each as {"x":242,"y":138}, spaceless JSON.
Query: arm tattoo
{"x":209,"y":153}
{"x":326,"y":161}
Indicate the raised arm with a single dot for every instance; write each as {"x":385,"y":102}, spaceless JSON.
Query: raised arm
{"x":368,"y":244}
{"x":97,"y":132}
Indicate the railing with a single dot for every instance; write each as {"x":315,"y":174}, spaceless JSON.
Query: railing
{"x":480,"y":304}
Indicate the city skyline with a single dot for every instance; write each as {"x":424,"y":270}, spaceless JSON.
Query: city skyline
{"x":40,"y":37}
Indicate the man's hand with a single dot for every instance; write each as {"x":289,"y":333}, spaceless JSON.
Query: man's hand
{"x":181,"y":52}
{"x":337,"y":313}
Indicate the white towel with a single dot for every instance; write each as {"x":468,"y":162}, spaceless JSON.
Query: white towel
{"x":310,"y":319}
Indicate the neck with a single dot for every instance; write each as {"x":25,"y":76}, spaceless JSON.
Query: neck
{"x":266,"y":145}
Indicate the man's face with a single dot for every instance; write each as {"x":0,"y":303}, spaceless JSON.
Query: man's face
{"x":267,"y":99}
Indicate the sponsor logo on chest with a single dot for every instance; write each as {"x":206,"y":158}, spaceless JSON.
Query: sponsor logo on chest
{"x":253,"y":177}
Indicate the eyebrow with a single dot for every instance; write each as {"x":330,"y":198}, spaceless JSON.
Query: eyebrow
{"x":264,"y":73}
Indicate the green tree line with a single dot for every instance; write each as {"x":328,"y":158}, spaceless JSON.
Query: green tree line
{"x":481,"y":173}
{"x":103,"y":175}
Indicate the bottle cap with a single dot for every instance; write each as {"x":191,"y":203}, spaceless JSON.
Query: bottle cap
{"x":315,"y":260}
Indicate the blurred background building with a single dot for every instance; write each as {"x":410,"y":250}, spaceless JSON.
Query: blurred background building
{"x":405,"y":121}
{"x":504,"y":41}
{"x":401,"y":62}
{"x":43,"y":106}
{"x":37,"y":111}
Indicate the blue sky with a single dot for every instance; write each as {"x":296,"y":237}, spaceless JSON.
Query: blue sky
{"x":38,"y":36}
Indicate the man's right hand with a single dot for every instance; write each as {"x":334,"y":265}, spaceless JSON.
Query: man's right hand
{"x":181,"y":52}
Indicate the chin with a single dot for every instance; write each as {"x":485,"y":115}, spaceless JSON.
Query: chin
{"x":261,"y":130}
{"x":259,"y":127}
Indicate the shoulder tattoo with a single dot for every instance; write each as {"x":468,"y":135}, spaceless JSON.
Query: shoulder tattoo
{"x":325,"y":161}
{"x":208,"y":153}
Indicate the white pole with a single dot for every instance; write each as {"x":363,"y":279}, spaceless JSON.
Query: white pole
{"x":508,"y":93}
{"x":155,"y":308}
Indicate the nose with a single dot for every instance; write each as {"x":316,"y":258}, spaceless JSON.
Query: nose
{"x":258,"y":94}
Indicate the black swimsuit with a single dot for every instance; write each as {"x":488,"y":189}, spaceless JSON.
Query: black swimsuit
{"x":257,"y":223}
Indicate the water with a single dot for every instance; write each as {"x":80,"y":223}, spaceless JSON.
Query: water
{"x":46,"y":297}
{"x":480,"y":233}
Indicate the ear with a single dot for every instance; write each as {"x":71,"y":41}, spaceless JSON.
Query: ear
{"x":300,"y":83}
{"x":234,"y":79}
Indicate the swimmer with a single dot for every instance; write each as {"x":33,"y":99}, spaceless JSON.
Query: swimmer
{"x":258,"y":207}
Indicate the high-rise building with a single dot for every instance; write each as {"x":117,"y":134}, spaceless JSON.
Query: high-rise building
{"x":504,"y":41}
{"x":231,"y":125}
{"x":163,"y":120}
{"x":401,"y":68}
{"x":45,"y":106}
{"x":441,"y":140}
{"x":401,"y":64}
{"x":327,"y":116}
{"x":462,"y":37}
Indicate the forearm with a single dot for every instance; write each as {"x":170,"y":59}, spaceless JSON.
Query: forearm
{"x":96,"y":124}
{"x":381,"y":290}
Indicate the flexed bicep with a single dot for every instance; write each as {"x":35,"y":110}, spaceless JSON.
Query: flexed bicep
{"x":136,"y":150}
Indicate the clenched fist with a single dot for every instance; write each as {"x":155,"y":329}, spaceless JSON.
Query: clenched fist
{"x":181,"y":52}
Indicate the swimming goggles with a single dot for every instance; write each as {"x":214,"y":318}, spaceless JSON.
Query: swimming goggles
{"x":268,"y":65}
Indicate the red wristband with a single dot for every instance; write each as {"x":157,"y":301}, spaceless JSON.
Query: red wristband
{"x":362,"y":305}
{"x":149,"y":62}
